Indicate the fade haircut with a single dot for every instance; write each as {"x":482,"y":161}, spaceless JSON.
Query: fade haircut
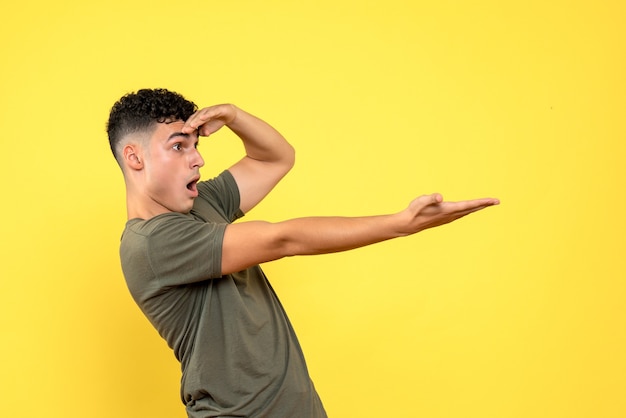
{"x":141,"y":111}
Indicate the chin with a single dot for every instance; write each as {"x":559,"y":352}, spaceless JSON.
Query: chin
{"x":187,"y":208}
{"x":181,"y":208}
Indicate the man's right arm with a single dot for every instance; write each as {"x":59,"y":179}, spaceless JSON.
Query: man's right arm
{"x":250,"y":243}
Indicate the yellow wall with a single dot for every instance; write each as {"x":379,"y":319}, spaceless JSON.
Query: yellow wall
{"x":515,"y":312}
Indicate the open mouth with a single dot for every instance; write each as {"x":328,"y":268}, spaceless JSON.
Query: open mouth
{"x":192,"y":186}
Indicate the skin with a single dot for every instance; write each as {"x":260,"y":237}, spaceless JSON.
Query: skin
{"x":161,"y":168}
{"x":160,"y":171}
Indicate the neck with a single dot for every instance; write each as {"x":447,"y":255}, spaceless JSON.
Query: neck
{"x":140,"y":206}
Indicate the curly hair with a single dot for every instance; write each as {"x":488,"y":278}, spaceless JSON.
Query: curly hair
{"x":137,"y":112}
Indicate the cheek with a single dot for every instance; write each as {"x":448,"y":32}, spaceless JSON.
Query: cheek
{"x":160,"y":179}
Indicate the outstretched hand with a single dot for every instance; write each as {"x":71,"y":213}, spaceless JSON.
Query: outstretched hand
{"x":429,"y":211}
{"x":210,"y":119}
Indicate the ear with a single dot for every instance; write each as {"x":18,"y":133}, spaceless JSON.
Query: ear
{"x":132,"y":157}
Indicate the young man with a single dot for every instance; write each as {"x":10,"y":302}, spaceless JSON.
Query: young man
{"x":195,"y":274}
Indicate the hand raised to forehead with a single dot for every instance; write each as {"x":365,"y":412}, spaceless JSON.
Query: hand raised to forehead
{"x":210,"y":119}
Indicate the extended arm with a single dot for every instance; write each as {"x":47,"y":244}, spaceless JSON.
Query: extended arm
{"x":268,"y":155}
{"x":250,"y":243}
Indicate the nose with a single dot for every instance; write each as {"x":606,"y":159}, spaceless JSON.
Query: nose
{"x":196,"y":159}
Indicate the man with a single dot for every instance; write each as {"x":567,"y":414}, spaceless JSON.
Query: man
{"x":195,"y":274}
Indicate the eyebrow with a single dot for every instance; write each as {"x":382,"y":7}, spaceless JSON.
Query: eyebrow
{"x":190,"y":136}
{"x":177,"y":134}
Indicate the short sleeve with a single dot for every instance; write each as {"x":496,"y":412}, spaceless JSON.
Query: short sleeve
{"x":218,"y":197}
{"x":170,"y":250}
{"x":186,"y":251}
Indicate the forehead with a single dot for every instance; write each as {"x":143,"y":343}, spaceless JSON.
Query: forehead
{"x":167,"y":132}
{"x":164,"y":130}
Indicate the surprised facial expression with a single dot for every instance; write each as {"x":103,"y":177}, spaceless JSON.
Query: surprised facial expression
{"x":172,"y":168}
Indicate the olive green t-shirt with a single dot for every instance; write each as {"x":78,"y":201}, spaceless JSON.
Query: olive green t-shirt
{"x":238,"y":352}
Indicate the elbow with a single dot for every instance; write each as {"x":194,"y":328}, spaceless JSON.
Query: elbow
{"x":290,"y":157}
{"x":287,"y":161}
{"x":284,"y":242}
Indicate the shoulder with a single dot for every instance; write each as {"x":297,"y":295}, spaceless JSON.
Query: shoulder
{"x":174,"y":248}
{"x":220,"y":196}
{"x":143,"y":236}
{"x":146,"y":227}
{"x":168,"y":229}
{"x":218,"y":186}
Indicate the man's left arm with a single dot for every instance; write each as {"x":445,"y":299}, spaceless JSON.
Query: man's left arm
{"x":268,"y":154}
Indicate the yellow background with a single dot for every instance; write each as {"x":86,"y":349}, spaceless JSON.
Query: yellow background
{"x":517,"y":311}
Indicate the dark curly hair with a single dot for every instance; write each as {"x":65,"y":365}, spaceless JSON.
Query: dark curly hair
{"x":137,"y":112}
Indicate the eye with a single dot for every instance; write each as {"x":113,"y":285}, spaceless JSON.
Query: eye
{"x":177,"y":146}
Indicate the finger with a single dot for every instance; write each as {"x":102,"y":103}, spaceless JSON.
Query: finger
{"x":430,"y":199}
{"x":198,"y":119}
{"x":460,"y":212}
{"x":191,"y":123}
{"x":487,"y":201}
{"x":466,"y":204}
{"x":457,"y":209}
{"x":419,"y":203}
{"x":472,"y":206}
{"x":188,"y":129}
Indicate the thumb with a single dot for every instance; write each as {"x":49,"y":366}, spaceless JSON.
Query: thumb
{"x":426,"y":200}
{"x":431,"y":199}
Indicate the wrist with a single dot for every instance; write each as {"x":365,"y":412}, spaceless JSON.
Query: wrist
{"x":401,"y":223}
{"x":233,"y":119}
